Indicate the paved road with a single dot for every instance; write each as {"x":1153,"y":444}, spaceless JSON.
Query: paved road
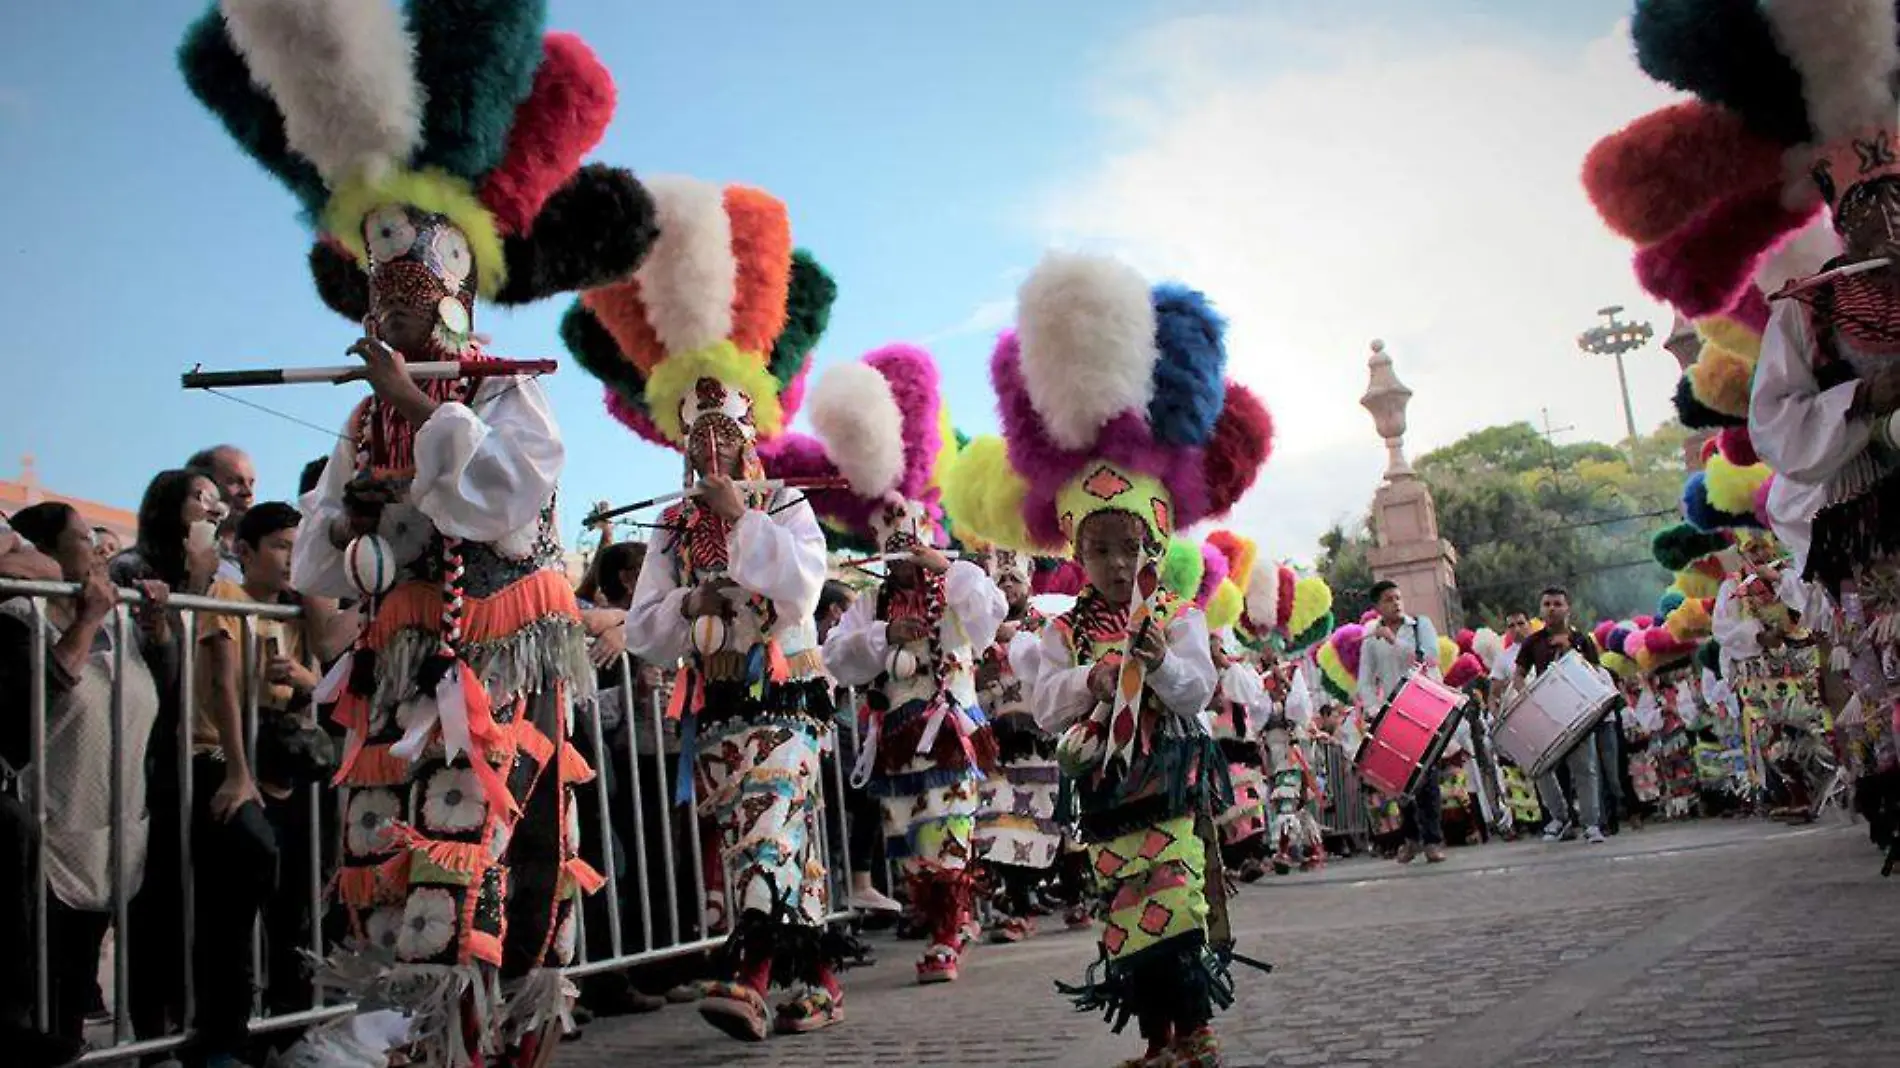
{"x":1704,"y":945}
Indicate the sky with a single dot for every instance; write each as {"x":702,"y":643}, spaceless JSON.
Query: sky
{"x":1327,"y":172}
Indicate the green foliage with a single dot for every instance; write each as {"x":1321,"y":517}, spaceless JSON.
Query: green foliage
{"x":1524,"y":514}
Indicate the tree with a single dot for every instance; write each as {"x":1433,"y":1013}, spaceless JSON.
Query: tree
{"x":1525,"y":513}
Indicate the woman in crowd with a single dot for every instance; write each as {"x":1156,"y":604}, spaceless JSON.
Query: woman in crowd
{"x":176,"y":544}
{"x":82,"y":635}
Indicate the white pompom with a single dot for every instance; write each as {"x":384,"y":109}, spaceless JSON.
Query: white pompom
{"x":371,"y":564}
{"x":709,"y":635}
{"x":903,"y":664}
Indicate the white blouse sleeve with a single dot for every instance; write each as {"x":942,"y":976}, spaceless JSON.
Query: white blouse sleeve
{"x":657,"y":631}
{"x":1026,"y":658}
{"x":485,"y":472}
{"x":1060,"y":693}
{"x":1241,"y":685}
{"x":1299,"y":698}
{"x":1800,"y":430}
{"x":856,"y":648}
{"x":1738,"y":633}
{"x":1186,"y":679}
{"x":316,"y":566}
{"x":973,"y":604}
{"x":780,"y":556}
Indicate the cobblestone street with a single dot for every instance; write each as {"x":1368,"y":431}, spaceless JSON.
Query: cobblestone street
{"x":1710,"y":944}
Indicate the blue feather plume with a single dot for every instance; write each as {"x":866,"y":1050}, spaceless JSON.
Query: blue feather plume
{"x":1668,"y":602}
{"x":1707,"y":517}
{"x":1189,"y":378}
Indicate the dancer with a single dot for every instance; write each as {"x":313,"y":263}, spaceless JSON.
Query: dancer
{"x":1771,"y":662}
{"x":697,"y":352}
{"x":914,"y":646}
{"x":1236,"y":718}
{"x":1293,"y":800}
{"x":435,"y":155}
{"x":1109,"y":472}
{"x":1017,"y":836}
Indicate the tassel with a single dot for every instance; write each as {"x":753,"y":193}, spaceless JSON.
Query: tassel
{"x":682,"y":692}
{"x":683,"y":772}
{"x":331,"y":688}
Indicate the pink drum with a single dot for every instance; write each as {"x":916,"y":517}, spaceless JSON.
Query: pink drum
{"x":1408,"y":735}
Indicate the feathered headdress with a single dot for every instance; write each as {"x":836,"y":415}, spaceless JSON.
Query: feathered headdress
{"x":880,"y":424}
{"x":437,"y":150}
{"x":1113,"y":396}
{"x":718,"y":324}
{"x":1795,"y":109}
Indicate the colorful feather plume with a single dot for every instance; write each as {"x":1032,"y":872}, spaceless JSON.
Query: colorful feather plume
{"x":466,"y":110}
{"x":1111,"y":395}
{"x":717,"y":297}
{"x":1182,"y":566}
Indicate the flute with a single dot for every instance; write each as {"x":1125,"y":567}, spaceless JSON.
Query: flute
{"x":421,"y":372}
{"x":895,"y":558}
{"x":763,"y":485}
{"x":1846,"y":270}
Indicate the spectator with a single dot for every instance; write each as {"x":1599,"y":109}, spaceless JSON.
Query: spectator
{"x":175,"y":545}
{"x":864,"y":818}
{"x":105,"y":545}
{"x":81,"y":636}
{"x":292,"y":751}
{"x":229,"y":469}
{"x":310,"y":476}
{"x":20,"y":560}
{"x":604,"y":595}
{"x":171,"y":546}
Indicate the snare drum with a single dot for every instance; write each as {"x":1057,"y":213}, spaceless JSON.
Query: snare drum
{"x":1558,"y":711}
{"x":1408,"y":735}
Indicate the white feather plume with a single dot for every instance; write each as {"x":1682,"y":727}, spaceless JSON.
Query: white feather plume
{"x":1799,"y":256}
{"x":1488,"y":645}
{"x":1263,"y":594}
{"x":343,"y":74}
{"x":1846,"y":54}
{"x":1087,"y":329}
{"x":690,"y":277}
{"x":857,"y":417}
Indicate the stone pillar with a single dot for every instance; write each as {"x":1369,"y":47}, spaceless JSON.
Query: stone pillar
{"x":1686,"y":345}
{"x":1407,"y":548}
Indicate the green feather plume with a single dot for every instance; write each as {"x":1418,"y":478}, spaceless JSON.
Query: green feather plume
{"x":216,"y":74}
{"x":475,"y":60}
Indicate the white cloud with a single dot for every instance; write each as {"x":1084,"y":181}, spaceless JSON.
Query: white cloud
{"x":1422,"y":192}
{"x":986,"y":318}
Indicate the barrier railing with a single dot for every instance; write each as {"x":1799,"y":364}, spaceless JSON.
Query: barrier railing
{"x":642,"y":752}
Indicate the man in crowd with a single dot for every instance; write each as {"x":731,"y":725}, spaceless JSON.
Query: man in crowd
{"x":1395,"y":644}
{"x":1537,"y":653}
{"x":230,"y":469}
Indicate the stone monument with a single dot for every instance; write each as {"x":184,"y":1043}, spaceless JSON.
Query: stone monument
{"x":1406,"y":546}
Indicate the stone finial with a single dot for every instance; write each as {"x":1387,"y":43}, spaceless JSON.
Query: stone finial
{"x":1386,"y":398}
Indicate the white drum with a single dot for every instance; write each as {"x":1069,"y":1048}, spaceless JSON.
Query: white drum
{"x":1559,"y":709}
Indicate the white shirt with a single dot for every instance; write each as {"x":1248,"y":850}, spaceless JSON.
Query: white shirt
{"x":857,"y":648}
{"x":1383,"y":664}
{"x":484,"y":472}
{"x":779,"y":556}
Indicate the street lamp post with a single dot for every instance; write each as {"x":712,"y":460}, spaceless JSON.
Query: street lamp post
{"x":1613,"y":337}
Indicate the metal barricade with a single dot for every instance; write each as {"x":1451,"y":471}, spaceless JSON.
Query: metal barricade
{"x":682,"y":933}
